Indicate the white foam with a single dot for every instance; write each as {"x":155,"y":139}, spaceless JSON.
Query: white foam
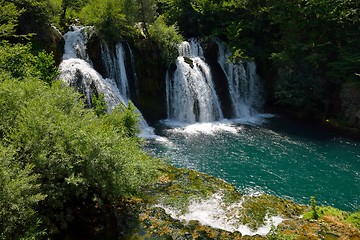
{"x":214,"y":213}
{"x":148,"y":133}
{"x":204,"y":128}
{"x":211,"y":128}
{"x":76,"y":70}
{"x":253,"y":191}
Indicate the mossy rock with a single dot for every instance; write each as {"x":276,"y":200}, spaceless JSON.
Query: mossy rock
{"x":177,"y":188}
{"x":189,"y":61}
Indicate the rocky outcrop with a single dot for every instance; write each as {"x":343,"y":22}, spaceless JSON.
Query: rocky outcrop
{"x":159,"y":214}
{"x":350,"y":99}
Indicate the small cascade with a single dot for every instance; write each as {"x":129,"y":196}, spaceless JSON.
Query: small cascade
{"x":82,"y":76}
{"x":191,"y":96}
{"x":115,"y":67}
{"x":77,"y":71}
{"x":75,"y":43}
{"x":243,"y":83}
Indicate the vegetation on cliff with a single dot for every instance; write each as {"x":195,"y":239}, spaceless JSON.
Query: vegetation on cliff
{"x":305,"y":49}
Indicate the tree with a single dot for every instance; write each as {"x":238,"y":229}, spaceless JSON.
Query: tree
{"x":109,"y":19}
{"x":166,"y":37}
{"x":146,"y":14}
{"x":19,"y":61}
{"x":8,"y":19}
{"x":66,"y":4}
{"x":35,"y":14}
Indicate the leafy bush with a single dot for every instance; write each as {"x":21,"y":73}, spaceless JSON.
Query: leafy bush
{"x":18,"y":199}
{"x":57,"y":158}
{"x":17,"y":60}
{"x":77,"y":157}
{"x":167,"y":38}
{"x":9,"y":18}
{"x":348,"y":217}
{"x":108,"y":17}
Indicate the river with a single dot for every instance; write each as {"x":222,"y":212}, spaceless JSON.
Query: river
{"x":268,"y":154}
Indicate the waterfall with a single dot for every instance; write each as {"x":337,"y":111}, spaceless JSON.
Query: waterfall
{"x":243,"y":83}
{"x":191,"y":96}
{"x":77,"y":71}
{"x":115,"y":67}
{"x":75,"y":43}
{"x":82,"y":76}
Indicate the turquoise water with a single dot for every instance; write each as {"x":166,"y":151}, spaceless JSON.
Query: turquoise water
{"x":278,"y":157}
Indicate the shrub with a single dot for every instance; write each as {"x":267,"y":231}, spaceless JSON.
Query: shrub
{"x":77,"y":157}
{"x":17,"y":60}
{"x":167,"y":38}
{"x":18,"y":199}
{"x":108,"y":17}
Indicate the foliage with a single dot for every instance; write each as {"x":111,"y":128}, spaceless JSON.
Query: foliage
{"x":125,"y":120}
{"x":8,"y":19}
{"x":76,"y":156}
{"x":18,"y":60}
{"x":108,"y":17}
{"x":146,"y":14}
{"x":354,"y":219}
{"x":98,"y":103}
{"x":180,"y":12}
{"x":323,"y":211}
{"x":45,"y":65}
{"x":35,"y":14}
{"x":315,"y":215}
{"x":166,"y":37}
{"x":19,"y":196}
{"x":57,"y":156}
{"x":66,"y":5}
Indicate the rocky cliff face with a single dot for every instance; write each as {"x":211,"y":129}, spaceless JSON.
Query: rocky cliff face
{"x":350,"y":100}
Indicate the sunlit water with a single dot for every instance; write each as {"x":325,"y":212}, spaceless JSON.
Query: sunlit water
{"x":269,"y":155}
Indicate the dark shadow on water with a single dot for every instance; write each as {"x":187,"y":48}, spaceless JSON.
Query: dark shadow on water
{"x":314,"y":131}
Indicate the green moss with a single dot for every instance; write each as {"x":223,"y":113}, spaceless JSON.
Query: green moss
{"x":256,"y":209}
{"x":354,"y":219}
{"x":326,"y":211}
{"x":343,"y":216}
{"x":177,"y":188}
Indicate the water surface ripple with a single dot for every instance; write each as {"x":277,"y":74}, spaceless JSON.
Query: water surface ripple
{"x":277,"y":157}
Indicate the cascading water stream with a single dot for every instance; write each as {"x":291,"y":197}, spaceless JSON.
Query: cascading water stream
{"x":77,"y":71}
{"x":115,"y":67}
{"x":243,"y":83}
{"x":75,"y":43}
{"x":191,"y":96}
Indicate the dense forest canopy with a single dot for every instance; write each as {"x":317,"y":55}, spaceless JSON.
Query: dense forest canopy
{"x":58,"y":157}
{"x":305,"y":49}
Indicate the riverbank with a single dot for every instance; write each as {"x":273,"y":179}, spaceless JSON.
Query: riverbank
{"x":185,"y":204}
